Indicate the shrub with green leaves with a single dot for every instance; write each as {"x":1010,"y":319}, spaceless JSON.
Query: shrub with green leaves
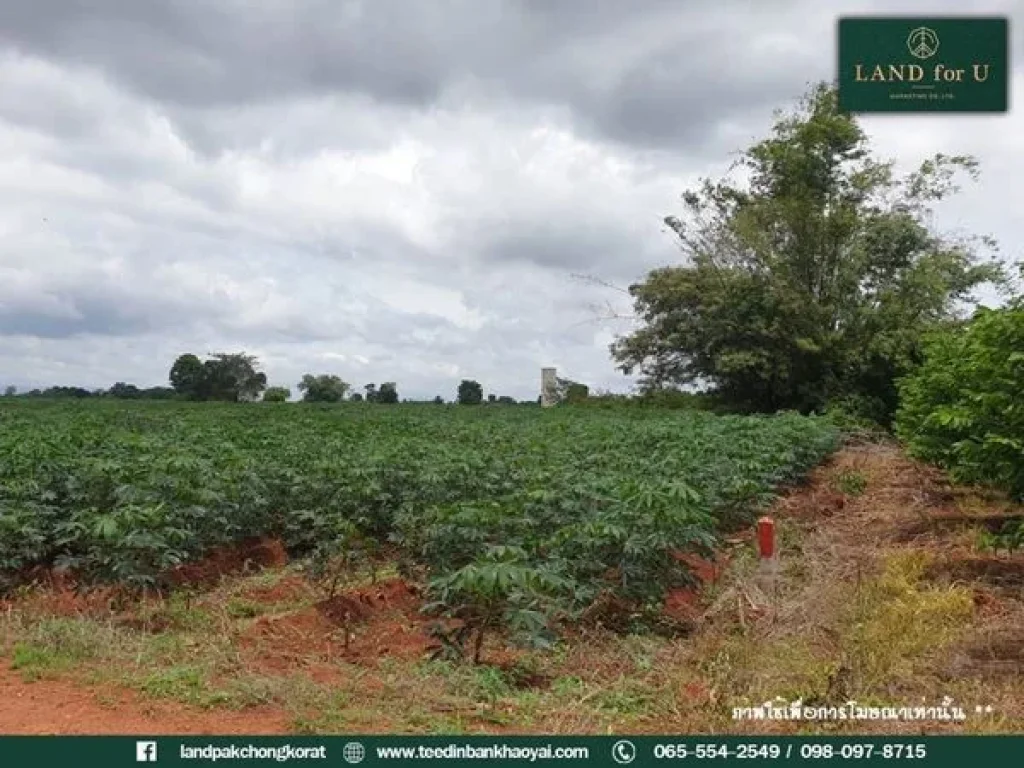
{"x":502,"y":589}
{"x":963,"y":408}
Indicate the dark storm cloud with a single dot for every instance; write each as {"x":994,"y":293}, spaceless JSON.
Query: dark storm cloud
{"x":135,"y":306}
{"x":70,"y":313}
{"x":634,"y":72}
{"x":203,"y":53}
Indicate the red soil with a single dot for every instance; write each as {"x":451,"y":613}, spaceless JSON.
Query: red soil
{"x":382,"y":621}
{"x":55,"y":707}
{"x":288,"y":589}
{"x":683,"y":603}
{"x":251,"y":554}
{"x":59,"y":594}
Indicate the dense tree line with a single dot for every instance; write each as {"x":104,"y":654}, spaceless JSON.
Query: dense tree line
{"x":236,"y":377}
{"x":119,"y":390}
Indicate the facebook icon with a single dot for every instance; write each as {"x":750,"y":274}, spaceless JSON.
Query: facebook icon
{"x":145,"y":751}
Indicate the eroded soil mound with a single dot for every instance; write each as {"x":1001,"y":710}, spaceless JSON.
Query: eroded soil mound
{"x":381,"y":621}
{"x":248,"y":555}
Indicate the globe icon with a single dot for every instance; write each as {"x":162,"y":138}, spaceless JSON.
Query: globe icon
{"x":353,"y":752}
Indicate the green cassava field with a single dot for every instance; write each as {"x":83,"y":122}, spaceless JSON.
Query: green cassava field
{"x":508,"y":517}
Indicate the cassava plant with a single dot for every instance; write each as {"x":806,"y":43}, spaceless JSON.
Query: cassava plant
{"x":501,"y":590}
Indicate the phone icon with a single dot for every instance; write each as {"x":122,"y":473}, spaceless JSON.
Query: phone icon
{"x":623,"y":752}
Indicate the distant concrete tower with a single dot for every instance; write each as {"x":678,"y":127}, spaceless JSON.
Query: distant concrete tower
{"x":548,"y":387}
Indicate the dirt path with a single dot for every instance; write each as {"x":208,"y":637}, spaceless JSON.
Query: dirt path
{"x":57,"y":707}
{"x":885,"y":594}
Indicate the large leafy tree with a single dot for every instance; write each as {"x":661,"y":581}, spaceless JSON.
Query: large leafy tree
{"x":812,"y":280}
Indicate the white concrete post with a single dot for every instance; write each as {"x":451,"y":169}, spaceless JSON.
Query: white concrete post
{"x":548,"y":387}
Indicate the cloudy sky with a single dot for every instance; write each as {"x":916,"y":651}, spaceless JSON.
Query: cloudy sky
{"x":388,"y":189}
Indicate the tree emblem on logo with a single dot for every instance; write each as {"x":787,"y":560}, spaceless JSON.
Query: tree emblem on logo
{"x":923,"y":42}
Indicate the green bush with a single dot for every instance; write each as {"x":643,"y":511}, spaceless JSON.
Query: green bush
{"x":277,"y":395}
{"x":665,"y":398}
{"x":859,"y":414}
{"x":962,"y":409}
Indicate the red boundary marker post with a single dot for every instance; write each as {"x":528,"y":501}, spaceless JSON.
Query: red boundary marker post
{"x":767,"y":547}
{"x":766,"y":538}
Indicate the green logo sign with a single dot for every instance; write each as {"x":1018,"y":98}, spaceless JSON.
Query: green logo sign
{"x":894,"y":64}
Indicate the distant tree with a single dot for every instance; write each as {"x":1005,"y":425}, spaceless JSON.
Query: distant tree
{"x":470,"y":392}
{"x":371,"y":393}
{"x":157,"y":393}
{"x":187,"y":376}
{"x":356,"y":397}
{"x":388,"y":393}
{"x":438,"y":400}
{"x":277,"y":395}
{"x":571,"y":391}
{"x":61,"y":392}
{"x":218,"y":383}
{"x":10,"y":391}
{"x":492,"y":398}
{"x":506,"y":400}
{"x":325,"y":388}
{"x":126,"y":391}
{"x":232,"y":377}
